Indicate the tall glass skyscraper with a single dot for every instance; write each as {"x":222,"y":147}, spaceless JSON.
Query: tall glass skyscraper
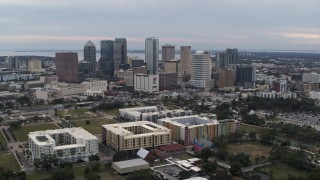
{"x":89,"y":53}
{"x":120,"y":52}
{"x":152,"y":54}
{"x":232,"y":56}
{"x":201,"y":70}
{"x":107,"y":58}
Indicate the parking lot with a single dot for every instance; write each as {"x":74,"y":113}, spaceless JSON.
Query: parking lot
{"x":171,"y":172}
{"x":301,"y":119}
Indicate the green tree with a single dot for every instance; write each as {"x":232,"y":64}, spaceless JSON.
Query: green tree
{"x":209,"y":167}
{"x":243,"y":159}
{"x":95,"y":167}
{"x":253,"y":135}
{"x":120,"y":156}
{"x":223,"y":175}
{"x":65,"y":173}
{"x":94,"y":157}
{"x":205,"y":154}
{"x":185,"y":174}
{"x":235,"y":169}
{"x":92,"y":176}
{"x":46,"y":161}
{"x":140,"y":175}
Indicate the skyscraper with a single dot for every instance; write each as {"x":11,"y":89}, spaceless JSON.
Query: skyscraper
{"x":12,"y":62}
{"x":89,"y":53}
{"x":201,"y":70}
{"x":168,"y":53}
{"x":220,"y":61}
{"x":67,"y":67}
{"x":107,"y":58}
{"x":152,"y":54}
{"x":245,"y":75}
{"x":120,"y":52}
{"x":185,"y":59}
{"x":232,"y":56}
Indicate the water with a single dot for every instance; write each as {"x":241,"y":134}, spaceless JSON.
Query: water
{"x":52,"y":54}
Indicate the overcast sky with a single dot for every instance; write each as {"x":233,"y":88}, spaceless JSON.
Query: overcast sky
{"x":203,"y":24}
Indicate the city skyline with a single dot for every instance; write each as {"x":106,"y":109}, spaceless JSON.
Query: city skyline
{"x":246,"y":24}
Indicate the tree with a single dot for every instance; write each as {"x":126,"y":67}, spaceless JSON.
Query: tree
{"x":140,"y":175}
{"x":252,"y":135}
{"x":209,"y":167}
{"x":87,"y":122}
{"x":14,"y":124}
{"x":223,"y":176}
{"x":108,"y":165}
{"x":120,"y":156}
{"x":92,"y":176}
{"x":87,"y":170}
{"x":65,"y":173}
{"x":95,"y":167}
{"x":185,"y":174}
{"x":9,"y":104}
{"x":253,"y":177}
{"x":235,"y":169}
{"x":205,"y":154}
{"x":46,"y":161}
{"x":241,"y":158}
{"x":94,"y":157}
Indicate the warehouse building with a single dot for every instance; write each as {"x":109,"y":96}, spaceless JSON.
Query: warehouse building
{"x":129,"y":166}
{"x":135,"y":135}
{"x":68,"y":144}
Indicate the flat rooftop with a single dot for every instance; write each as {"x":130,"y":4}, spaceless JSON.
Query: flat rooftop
{"x":131,"y":163}
{"x":190,"y":120}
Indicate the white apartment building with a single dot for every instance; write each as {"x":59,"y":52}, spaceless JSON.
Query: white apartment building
{"x":34,"y":65}
{"x":135,"y":135}
{"x":273,"y":95}
{"x":146,"y":82}
{"x":150,"y":113}
{"x":311,"y":77}
{"x":68,"y":144}
{"x":96,"y":85}
{"x":201,"y":70}
{"x":39,"y":93}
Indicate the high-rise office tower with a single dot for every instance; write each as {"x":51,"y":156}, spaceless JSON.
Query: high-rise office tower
{"x":185,"y":59}
{"x":89,"y":53}
{"x":201,"y":70}
{"x":168,"y":53}
{"x":12,"y":62}
{"x":245,"y":75}
{"x":120,"y":52}
{"x":220,"y":63}
{"x":67,"y":67}
{"x":152,"y":54}
{"x":107,"y":58}
{"x":232,"y":56}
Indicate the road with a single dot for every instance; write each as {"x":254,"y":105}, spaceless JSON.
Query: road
{"x":252,"y":167}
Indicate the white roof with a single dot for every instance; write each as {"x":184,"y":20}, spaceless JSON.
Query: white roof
{"x":197,"y":178}
{"x":194,"y":159}
{"x":196,"y":169}
{"x":131,"y":163}
{"x":142,"y":153}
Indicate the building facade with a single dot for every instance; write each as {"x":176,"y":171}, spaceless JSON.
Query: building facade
{"x":232,"y":56}
{"x":107,"y":58}
{"x":152,"y":55}
{"x":68,"y":144}
{"x":96,"y":85}
{"x":311,"y":78}
{"x":89,"y":54}
{"x":245,"y":76}
{"x":168,"y":80}
{"x":146,"y":82}
{"x":185,"y":59}
{"x":201,"y":70}
{"x":34,"y":65}
{"x":67,"y":67}
{"x":120,"y":52}
{"x":168,"y":53}
{"x":135,"y":135}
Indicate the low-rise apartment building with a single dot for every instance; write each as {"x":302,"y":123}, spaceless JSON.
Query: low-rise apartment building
{"x":68,"y":144}
{"x":135,"y":135}
{"x":188,"y":130}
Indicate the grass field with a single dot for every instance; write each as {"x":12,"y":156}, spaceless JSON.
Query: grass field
{"x":95,"y":125}
{"x":247,"y":128}
{"x":22,"y":132}
{"x":254,"y":149}
{"x":79,"y":174}
{"x":184,"y":156}
{"x":9,"y":162}
{"x":2,"y":138}
{"x":113,"y":112}
{"x":282,"y":171}
{"x":77,"y":114}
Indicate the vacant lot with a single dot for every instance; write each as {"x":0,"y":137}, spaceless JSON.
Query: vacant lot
{"x":9,"y":162}
{"x":247,"y":128}
{"x":94,"y":126}
{"x":254,"y":149}
{"x":282,"y":171}
{"x":21,"y":133}
{"x":77,"y":114}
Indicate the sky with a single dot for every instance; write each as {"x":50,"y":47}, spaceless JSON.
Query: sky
{"x":203,"y":24}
